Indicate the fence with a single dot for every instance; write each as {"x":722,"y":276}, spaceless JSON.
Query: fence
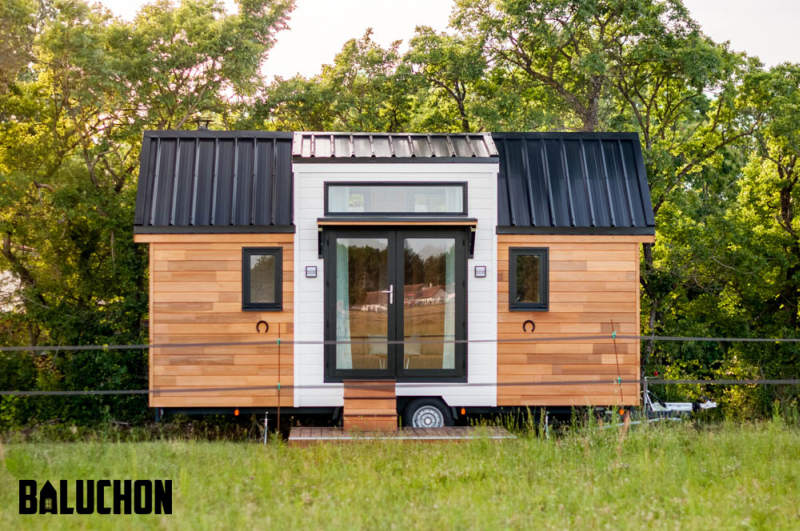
{"x":617,"y":380}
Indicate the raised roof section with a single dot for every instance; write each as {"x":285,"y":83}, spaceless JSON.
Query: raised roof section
{"x":309,"y":146}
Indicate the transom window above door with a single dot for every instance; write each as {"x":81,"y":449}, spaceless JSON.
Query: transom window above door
{"x":393,"y":198}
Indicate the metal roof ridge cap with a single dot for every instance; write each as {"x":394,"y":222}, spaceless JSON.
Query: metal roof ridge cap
{"x":211,"y":133}
{"x":608,"y":135}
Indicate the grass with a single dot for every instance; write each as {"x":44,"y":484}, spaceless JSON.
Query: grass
{"x":665,"y":477}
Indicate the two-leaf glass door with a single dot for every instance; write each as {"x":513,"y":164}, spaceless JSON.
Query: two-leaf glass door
{"x":395,"y":304}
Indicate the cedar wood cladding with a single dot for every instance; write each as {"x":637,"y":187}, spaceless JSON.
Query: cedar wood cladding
{"x":196,"y":297}
{"x":594,"y":289}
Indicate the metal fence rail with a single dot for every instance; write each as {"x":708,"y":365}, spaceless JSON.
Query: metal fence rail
{"x":615,"y":381}
{"x":49,"y":349}
{"x":265,"y":342}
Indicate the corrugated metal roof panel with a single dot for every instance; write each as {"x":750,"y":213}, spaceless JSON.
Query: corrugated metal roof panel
{"x":195,"y":181}
{"x":573,"y":182}
{"x":399,"y":146}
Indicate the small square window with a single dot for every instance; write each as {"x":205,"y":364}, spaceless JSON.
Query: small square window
{"x":261,"y":278}
{"x":527,"y":278}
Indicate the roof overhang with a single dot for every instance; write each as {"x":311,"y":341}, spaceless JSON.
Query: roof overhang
{"x":214,"y":229}
{"x":395,"y":221}
{"x":600,"y":231}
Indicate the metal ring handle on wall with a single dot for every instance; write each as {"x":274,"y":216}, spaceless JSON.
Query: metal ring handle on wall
{"x":525,"y":326}
{"x":258,"y":327}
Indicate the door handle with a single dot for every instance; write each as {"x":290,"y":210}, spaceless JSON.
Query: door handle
{"x":390,"y":291}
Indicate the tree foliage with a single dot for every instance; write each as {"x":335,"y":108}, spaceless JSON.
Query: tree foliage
{"x":719,"y":132}
{"x":72,"y":121}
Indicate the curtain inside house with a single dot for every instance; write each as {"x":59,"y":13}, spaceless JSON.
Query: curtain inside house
{"x":344,"y":353}
{"x":448,"y":353}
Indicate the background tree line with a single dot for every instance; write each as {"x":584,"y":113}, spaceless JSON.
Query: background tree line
{"x":720,"y":134}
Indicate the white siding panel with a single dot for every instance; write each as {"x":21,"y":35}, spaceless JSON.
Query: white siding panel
{"x":481,"y":178}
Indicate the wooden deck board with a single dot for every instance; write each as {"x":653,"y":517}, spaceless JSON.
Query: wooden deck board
{"x":308,"y":435}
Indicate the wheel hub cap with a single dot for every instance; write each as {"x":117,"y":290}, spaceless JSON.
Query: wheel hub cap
{"x":427,"y":417}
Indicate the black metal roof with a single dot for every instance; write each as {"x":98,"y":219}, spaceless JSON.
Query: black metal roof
{"x":241,"y":181}
{"x":215,"y":181}
{"x":312,"y":146}
{"x":572,"y":183}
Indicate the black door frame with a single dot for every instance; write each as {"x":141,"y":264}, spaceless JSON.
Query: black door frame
{"x":394,"y":366}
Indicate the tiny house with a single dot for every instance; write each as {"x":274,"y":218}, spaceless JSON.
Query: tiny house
{"x":423,"y":266}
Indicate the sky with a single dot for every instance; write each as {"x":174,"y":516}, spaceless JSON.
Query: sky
{"x":319,"y":28}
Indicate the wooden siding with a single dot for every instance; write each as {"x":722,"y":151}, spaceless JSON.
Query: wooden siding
{"x":196,"y":297}
{"x":594,"y":288}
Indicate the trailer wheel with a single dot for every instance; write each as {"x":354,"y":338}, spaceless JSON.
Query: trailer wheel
{"x":427,"y":413}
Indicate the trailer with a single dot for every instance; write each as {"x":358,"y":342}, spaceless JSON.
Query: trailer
{"x":377,"y":275}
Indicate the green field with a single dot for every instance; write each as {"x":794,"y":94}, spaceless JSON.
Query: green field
{"x":669,"y":477}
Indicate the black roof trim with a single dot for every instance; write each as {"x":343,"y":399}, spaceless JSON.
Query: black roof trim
{"x":621,"y":231}
{"x":567,"y":135}
{"x":213,"y":133}
{"x":576,"y":181}
{"x":216,"y":229}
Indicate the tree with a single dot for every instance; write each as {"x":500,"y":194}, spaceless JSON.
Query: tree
{"x":366,"y":88}
{"x":450,"y":65}
{"x":71,"y":132}
{"x":568,"y":47}
{"x":770,"y":191}
{"x":17,"y":26}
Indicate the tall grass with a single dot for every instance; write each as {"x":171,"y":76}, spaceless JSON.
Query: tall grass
{"x":664,"y":477}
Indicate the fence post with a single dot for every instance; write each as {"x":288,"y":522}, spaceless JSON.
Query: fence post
{"x":278,"y":426}
{"x":644,"y":400}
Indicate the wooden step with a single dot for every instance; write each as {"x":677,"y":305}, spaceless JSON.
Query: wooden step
{"x":374,"y":423}
{"x":370,"y":389}
{"x":369,"y":405}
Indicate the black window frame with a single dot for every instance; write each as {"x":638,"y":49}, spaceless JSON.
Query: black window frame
{"x":462,"y":184}
{"x":248,"y":305}
{"x":544,"y":279}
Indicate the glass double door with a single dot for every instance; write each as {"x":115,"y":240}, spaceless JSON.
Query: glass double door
{"x":395,"y":304}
